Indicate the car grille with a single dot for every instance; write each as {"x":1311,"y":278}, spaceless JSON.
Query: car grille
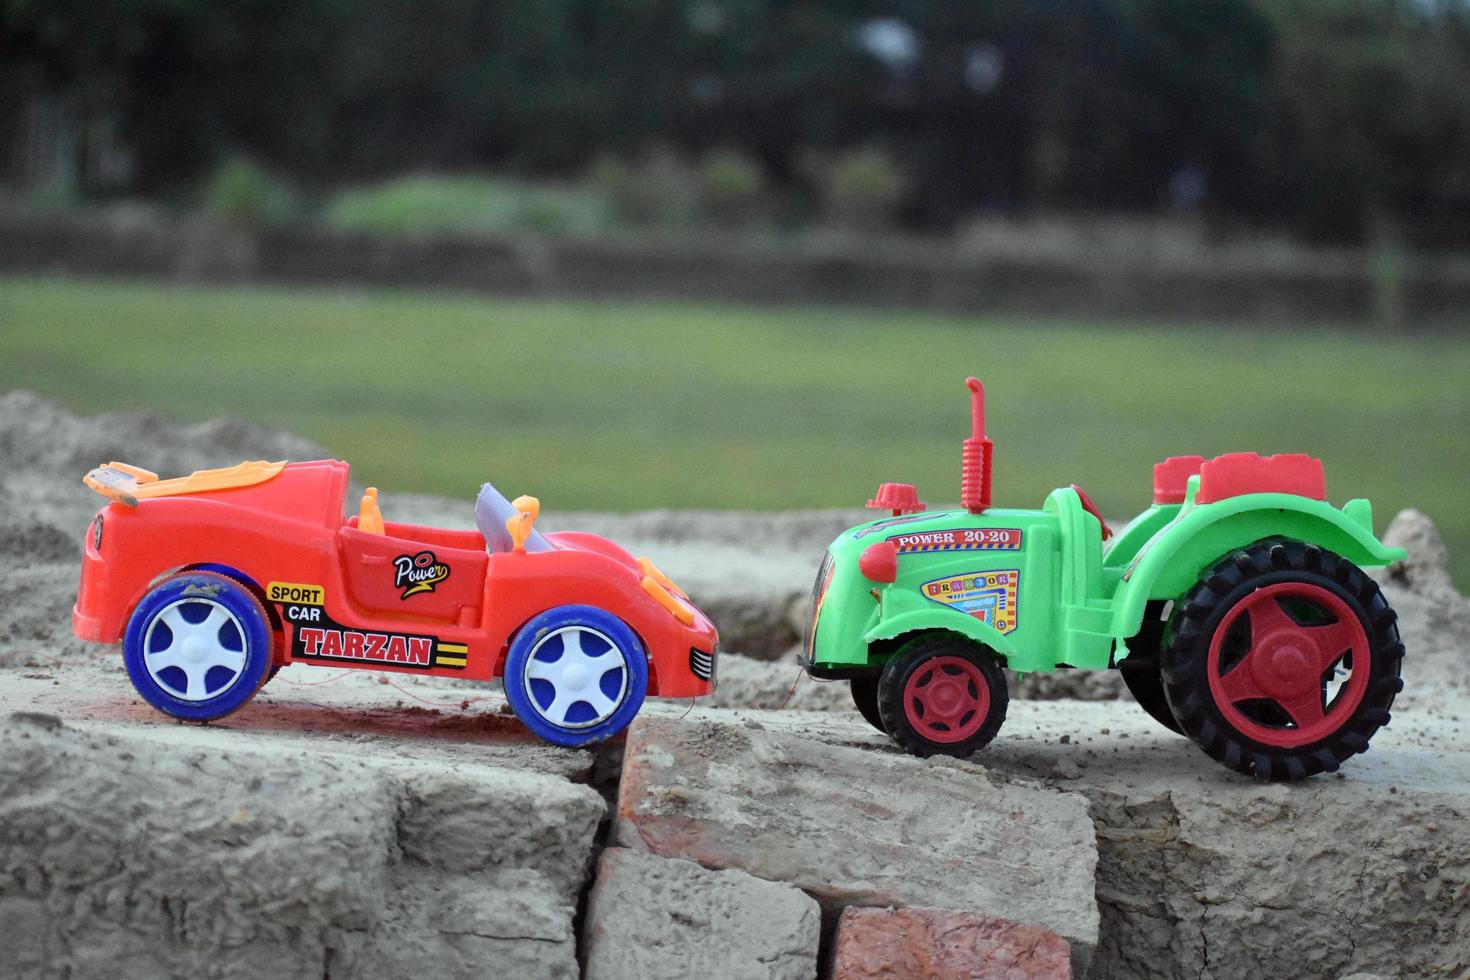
{"x":702,"y":664}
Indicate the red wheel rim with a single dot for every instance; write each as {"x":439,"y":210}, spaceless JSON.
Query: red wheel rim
{"x":946,"y":699}
{"x":1272,"y":657}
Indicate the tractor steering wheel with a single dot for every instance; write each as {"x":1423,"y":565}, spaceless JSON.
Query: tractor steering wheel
{"x":1091,"y":508}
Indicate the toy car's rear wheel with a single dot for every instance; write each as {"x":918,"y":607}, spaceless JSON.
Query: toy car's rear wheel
{"x":575,"y":675}
{"x":943,"y":694}
{"x":198,"y":646}
{"x":278,"y":634}
{"x":1284,"y":660}
{"x":865,"y":697}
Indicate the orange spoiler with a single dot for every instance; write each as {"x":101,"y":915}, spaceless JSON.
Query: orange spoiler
{"x":127,"y":485}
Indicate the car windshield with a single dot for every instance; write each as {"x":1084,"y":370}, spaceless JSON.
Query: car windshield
{"x":492,"y":510}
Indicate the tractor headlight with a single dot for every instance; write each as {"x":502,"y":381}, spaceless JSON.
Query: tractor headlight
{"x":879,"y":562}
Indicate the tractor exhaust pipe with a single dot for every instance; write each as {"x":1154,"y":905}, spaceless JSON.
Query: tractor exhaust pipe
{"x":975,"y":463}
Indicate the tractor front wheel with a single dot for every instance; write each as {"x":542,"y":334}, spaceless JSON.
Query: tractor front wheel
{"x":1284,"y":660}
{"x":942,"y":694}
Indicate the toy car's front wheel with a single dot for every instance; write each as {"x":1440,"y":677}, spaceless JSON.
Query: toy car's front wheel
{"x":575,"y":675}
{"x":942,"y":693}
{"x":198,"y":646}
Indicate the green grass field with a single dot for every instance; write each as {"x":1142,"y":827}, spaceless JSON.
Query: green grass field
{"x":638,"y":405}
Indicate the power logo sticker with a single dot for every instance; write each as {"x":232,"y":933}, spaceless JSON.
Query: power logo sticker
{"x":418,"y":573}
{"x":970,"y":539}
{"x":988,"y":596}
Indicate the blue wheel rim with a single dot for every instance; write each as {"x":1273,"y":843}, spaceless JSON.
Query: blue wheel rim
{"x":576,"y":676}
{"x":194,"y":649}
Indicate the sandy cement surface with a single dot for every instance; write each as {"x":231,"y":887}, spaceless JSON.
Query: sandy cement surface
{"x":351,"y":712}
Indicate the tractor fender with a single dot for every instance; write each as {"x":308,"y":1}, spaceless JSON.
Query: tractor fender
{"x":1171,"y":561}
{"x":921,"y":620}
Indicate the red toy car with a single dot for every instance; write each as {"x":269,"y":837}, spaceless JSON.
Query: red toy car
{"x":215,"y":580}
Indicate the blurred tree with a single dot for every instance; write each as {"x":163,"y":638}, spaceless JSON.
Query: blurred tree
{"x":189,"y":80}
{"x":1371,"y":116}
{"x":1332,"y":114}
{"x":861,"y":189}
{"x":658,"y":188}
{"x":244,"y":194}
{"x":731,"y":187}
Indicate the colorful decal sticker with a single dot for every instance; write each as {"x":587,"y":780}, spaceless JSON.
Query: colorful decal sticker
{"x":988,"y":596}
{"x":318,"y":637}
{"x":450,"y":655}
{"x":418,"y":573}
{"x":975,"y":539}
{"x":296,"y":592}
{"x":384,"y":648}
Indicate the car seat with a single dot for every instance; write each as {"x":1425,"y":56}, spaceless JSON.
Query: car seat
{"x":369,"y":515}
{"x":492,"y":510}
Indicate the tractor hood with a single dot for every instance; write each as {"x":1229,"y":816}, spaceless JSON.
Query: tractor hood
{"x":910,"y":572}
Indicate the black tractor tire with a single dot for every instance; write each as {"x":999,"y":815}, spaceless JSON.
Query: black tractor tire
{"x":865,"y":697}
{"x":1141,"y":668}
{"x":1279,"y":750}
{"x":974,"y":679}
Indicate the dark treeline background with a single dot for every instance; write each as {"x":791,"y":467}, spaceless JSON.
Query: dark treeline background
{"x":1337,"y":118}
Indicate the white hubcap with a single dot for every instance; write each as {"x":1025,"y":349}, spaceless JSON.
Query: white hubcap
{"x":575,"y":676}
{"x":194,"y":648}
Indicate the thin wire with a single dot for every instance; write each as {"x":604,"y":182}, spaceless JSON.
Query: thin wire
{"x":439,"y":704}
{"x":800,"y":673}
{"x":45,"y":656}
{"x":329,"y":680}
{"x":394,"y":684}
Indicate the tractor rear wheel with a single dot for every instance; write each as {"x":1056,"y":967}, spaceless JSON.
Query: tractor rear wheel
{"x":865,"y":696}
{"x":1284,"y":660}
{"x":942,"y":694}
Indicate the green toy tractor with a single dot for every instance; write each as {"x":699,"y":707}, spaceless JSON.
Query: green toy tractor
{"x":1235,"y":606}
